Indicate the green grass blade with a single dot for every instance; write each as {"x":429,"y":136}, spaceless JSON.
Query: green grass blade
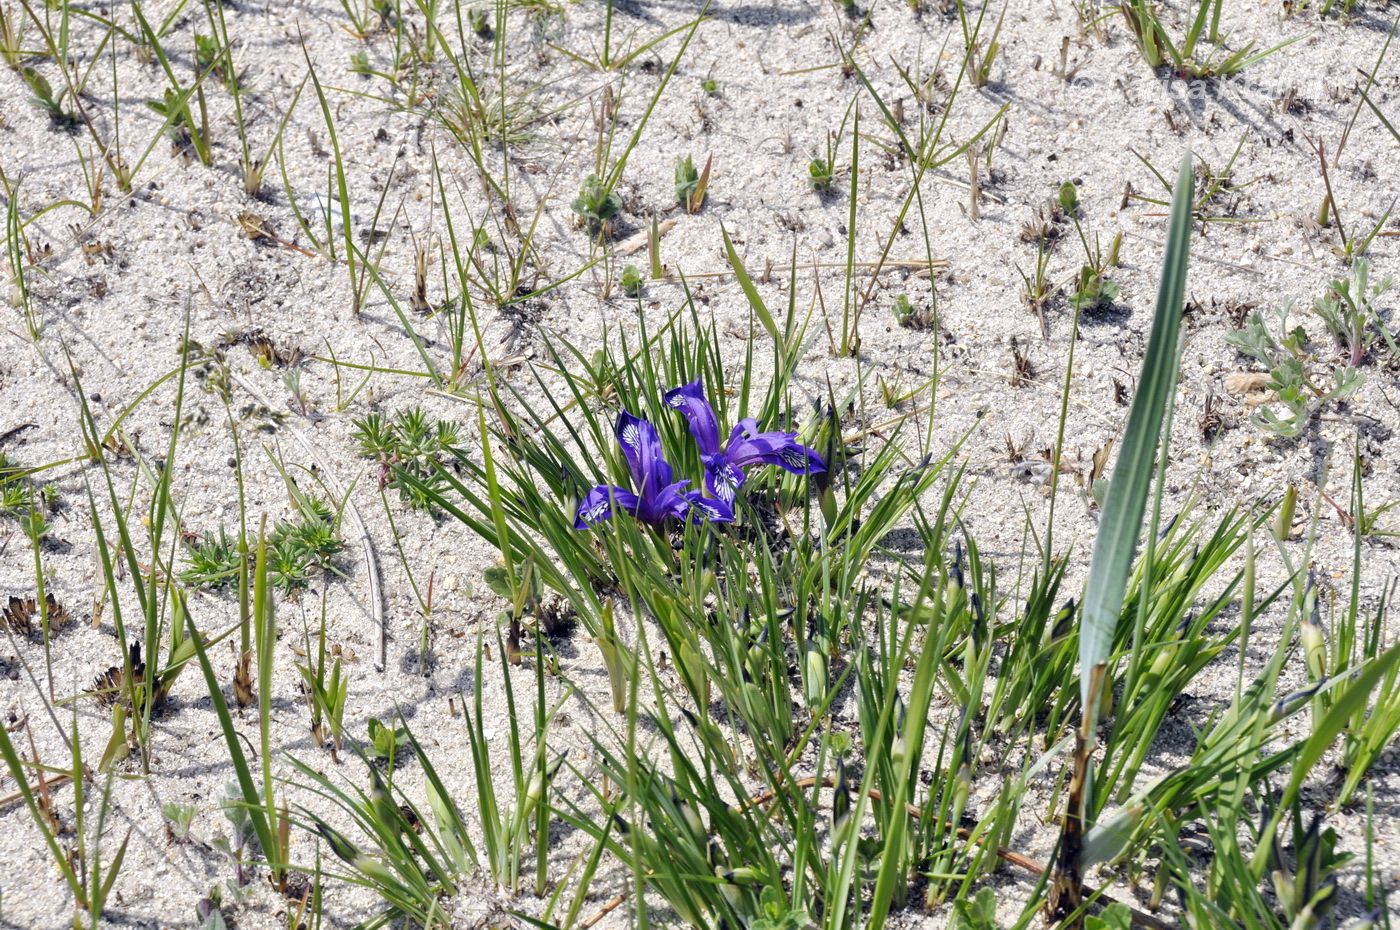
{"x":760,"y":309}
{"x":16,"y":767}
{"x":1121,"y":520}
{"x":1325,"y":732}
{"x":251,"y":799}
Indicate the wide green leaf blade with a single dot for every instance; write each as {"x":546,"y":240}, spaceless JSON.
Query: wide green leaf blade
{"x":1120,"y":523}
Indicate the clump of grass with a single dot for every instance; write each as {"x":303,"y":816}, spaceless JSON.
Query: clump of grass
{"x":979,"y":58}
{"x":79,"y":856}
{"x":326,"y":686}
{"x":214,"y":561}
{"x":1155,"y":44}
{"x":415,"y":849}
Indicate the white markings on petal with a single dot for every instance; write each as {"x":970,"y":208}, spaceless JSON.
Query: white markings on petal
{"x":727,"y":479}
{"x":632,"y":437}
{"x":709,"y":510}
{"x":797,"y":458}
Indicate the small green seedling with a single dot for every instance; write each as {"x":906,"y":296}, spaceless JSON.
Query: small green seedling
{"x":206,"y":51}
{"x":631,"y":281}
{"x":691,"y":184}
{"x":912,"y":316}
{"x":777,"y":913}
{"x":687,"y":177}
{"x":978,"y":912}
{"x":176,"y":112}
{"x":1349,"y":312}
{"x":210,"y":57}
{"x":480,"y":24}
{"x":1287,"y":357}
{"x":820,"y":175}
{"x":1068,"y":199}
{"x":1092,"y":287}
{"x":596,"y":205}
{"x":42,"y":96}
{"x":385,"y":742}
{"x":178,"y":818}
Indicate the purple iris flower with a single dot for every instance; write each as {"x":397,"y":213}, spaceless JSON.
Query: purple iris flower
{"x":724,"y":465}
{"x":657,"y":496}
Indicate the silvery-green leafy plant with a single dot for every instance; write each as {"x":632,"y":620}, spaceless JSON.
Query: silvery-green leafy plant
{"x":1287,"y":356}
{"x":1349,"y":311}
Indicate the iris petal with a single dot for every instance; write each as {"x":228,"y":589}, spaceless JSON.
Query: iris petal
{"x":723,"y":477}
{"x":597,"y":505}
{"x":642,"y":447}
{"x":774,"y":448}
{"x":703,"y":508}
{"x":690,"y":400}
{"x":657,"y":498}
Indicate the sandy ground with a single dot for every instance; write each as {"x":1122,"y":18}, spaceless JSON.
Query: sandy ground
{"x":174,"y":247}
